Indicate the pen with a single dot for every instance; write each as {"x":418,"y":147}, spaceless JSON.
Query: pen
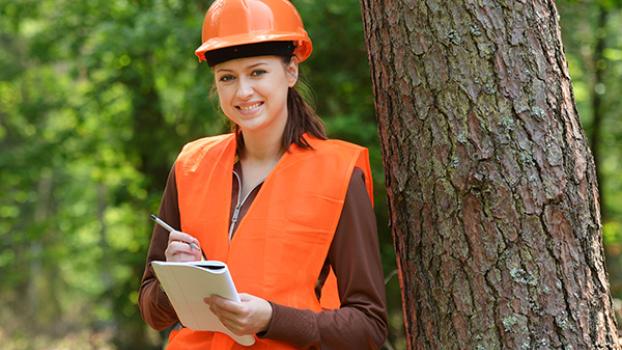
{"x":169,"y":229}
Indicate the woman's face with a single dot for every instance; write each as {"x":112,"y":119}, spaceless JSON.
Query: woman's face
{"x":253,"y":91}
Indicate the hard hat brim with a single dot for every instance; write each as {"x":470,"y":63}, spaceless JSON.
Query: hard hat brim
{"x":302,"y":42}
{"x":266,"y":48}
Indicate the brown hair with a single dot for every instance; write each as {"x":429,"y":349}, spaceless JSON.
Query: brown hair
{"x":301,"y":118}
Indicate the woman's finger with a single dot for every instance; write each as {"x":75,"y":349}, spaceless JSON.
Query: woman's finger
{"x":183,"y":237}
{"x":226,"y":318}
{"x":224,"y":313}
{"x":250,"y":315}
{"x":228,"y":306}
{"x":234,"y":327}
{"x":181,"y":252}
{"x":183,"y":257}
{"x":176,"y":247}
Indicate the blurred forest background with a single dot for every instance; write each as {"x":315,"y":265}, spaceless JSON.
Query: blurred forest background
{"x":98,"y":96}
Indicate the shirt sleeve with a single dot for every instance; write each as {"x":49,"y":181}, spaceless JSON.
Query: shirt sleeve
{"x":361,"y":321}
{"x":155,"y":308}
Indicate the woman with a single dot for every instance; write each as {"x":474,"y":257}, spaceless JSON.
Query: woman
{"x":285,"y":208}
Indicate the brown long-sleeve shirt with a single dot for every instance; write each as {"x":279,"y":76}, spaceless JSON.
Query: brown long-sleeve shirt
{"x":360,"y":322}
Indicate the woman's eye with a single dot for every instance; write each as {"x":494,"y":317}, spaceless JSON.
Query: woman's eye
{"x":226,"y":77}
{"x":258,"y":72}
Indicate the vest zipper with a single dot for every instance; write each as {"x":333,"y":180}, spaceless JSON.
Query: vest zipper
{"x":238,"y":206}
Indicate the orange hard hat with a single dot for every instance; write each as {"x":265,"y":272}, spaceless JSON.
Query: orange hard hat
{"x":231,"y":23}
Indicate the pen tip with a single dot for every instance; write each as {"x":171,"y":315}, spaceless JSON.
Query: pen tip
{"x":153,"y":217}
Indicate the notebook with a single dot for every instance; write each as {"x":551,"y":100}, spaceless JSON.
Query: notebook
{"x":186,"y":284}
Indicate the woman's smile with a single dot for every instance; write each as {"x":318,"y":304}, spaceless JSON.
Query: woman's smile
{"x":249,"y":108}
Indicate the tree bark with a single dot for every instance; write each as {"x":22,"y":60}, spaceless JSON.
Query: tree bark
{"x":492,"y":189}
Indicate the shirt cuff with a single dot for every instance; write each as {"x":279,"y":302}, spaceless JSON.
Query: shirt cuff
{"x":262,"y":334}
{"x":291,"y":325}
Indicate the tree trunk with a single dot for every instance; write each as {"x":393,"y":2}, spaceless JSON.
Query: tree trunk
{"x":492,"y":189}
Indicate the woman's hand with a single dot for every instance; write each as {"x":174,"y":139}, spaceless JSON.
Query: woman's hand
{"x":182,"y":247}
{"x":248,"y":317}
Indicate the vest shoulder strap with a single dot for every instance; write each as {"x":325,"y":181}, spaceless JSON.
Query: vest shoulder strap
{"x":194,"y":152}
{"x":360,"y":155}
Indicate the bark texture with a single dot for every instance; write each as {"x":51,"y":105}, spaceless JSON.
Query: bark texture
{"x":492,"y":188}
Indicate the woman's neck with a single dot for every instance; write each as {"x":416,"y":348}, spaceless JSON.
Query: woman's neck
{"x":263,"y":145}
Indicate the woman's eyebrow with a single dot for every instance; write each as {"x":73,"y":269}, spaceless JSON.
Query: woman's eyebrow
{"x":248,"y":67}
{"x":255,"y":65}
{"x":223,"y":70}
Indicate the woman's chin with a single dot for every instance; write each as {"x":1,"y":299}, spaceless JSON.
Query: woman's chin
{"x":250,"y":125}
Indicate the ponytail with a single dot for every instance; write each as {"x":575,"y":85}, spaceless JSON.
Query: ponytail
{"x":301,"y":119}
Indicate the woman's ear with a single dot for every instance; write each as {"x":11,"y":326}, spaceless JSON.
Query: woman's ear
{"x":292,"y":72}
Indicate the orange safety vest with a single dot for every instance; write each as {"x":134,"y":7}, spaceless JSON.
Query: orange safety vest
{"x":281,"y":244}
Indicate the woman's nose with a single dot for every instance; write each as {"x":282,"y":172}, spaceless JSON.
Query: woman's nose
{"x":245,"y":88}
